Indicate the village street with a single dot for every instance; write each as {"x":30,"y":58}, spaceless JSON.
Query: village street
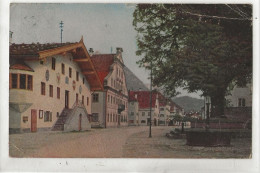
{"x":127,"y":142}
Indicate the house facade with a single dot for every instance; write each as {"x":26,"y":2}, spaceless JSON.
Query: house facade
{"x":140,"y":100}
{"x":110,"y":107}
{"x":50,"y":87}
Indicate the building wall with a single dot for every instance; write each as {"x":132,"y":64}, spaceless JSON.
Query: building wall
{"x":115,"y":88}
{"x":239,"y":92}
{"x":133,"y":115}
{"x":98,"y":108}
{"x":45,"y":102}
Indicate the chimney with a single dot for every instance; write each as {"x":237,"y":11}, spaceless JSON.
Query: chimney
{"x":10,"y":37}
{"x":91,"y":51}
{"x":136,"y":96}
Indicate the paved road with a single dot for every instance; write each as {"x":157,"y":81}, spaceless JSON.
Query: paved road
{"x":127,"y":142}
{"x":96,"y":143}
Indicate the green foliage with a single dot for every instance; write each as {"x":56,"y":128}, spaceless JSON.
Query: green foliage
{"x":189,"y":48}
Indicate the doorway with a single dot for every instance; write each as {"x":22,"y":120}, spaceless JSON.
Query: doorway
{"x":33,"y":120}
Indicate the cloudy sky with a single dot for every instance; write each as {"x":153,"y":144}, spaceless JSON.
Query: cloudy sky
{"x":103,"y":26}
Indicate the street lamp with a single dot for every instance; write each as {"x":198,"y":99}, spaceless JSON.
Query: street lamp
{"x":151,"y":93}
{"x":208,"y":102}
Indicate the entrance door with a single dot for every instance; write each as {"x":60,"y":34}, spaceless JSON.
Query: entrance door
{"x":33,"y":120}
{"x":66,"y":99}
{"x":80,"y":119}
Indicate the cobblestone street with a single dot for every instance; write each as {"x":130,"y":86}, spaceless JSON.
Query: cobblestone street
{"x":128,"y":142}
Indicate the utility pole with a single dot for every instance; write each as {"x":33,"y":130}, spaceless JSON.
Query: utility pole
{"x":61,"y":29}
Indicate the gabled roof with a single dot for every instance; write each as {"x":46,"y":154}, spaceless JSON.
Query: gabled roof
{"x":102,"y":63}
{"x":36,"y":52}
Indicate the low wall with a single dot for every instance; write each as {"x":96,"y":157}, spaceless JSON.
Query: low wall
{"x":221,"y":125}
{"x":238,"y":113}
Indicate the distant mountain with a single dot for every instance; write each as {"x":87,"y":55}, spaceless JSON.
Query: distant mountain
{"x":133,"y":83}
{"x":189,"y":103}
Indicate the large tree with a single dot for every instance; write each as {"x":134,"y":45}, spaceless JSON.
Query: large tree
{"x":196,"y":46}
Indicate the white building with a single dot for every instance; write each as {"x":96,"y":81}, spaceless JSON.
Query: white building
{"x":110,"y":106}
{"x":50,"y":87}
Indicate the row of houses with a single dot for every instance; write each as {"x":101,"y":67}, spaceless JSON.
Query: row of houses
{"x":63,"y":86}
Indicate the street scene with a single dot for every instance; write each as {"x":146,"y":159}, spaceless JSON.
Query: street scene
{"x":130,"y":81}
{"x":126,"y":142}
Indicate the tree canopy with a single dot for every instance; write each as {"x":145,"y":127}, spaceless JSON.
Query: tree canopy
{"x":196,"y":46}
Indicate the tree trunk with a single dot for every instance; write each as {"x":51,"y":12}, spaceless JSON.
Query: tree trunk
{"x":218,"y":103}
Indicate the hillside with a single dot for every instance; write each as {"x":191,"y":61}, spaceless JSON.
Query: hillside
{"x":189,"y":103}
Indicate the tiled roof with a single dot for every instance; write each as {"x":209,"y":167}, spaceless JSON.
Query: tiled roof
{"x":33,"y":49}
{"x":102,"y":63}
{"x":143,"y":98}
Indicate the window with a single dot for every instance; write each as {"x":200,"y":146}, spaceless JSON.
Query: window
{"x":29,"y":82}
{"x":58,"y":114}
{"x":241,"y":102}
{"x":94,"y":117}
{"x":43,"y":88}
{"x":143,"y":113}
{"x":77,"y":98}
{"x":83,"y":80}
{"x":58,"y":93}
{"x":14,"y":81}
{"x":95,"y":97}
{"x":132,"y":113}
{"x":77,"y":76}
{"x":162,"y":115}
{"x":112,"y":82}
{"x":53,"y":63}
{"x":143,"y":121}
{"x":22,"y":81}
{"x":83,"y":100}
{"x":70,"y":72}
{"x":87,"y":101}
{"x":51,"y":91}
{"x":62,"y":68}
{"x":161,"y":109}
{"x":108,"y":98}
{"x":47,"y":116}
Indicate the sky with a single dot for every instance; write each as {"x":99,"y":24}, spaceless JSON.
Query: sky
{"x":103,"y":27}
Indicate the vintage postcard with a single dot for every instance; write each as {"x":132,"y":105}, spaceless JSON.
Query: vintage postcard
{"x":131,"y":80}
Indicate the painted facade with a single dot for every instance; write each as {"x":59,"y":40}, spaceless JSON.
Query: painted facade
{"x":47,"y":80}
{"x":110,"y":107}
